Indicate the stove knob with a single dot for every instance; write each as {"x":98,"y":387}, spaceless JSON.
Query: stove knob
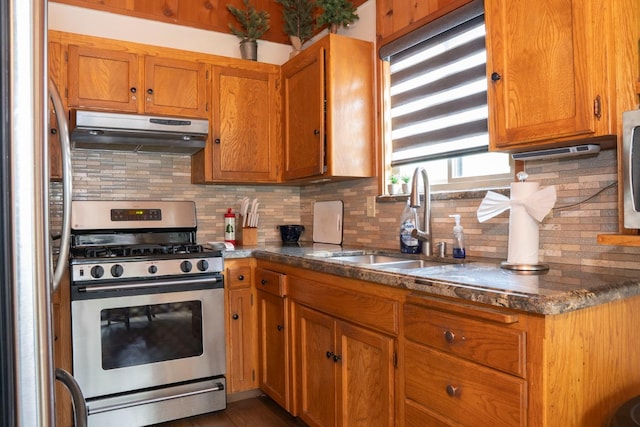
{"x":97,"y":271}
{"x":117,"y":270}
{"x":203,"y":265}
{"x":152,"y":269}
{"x":185,"y":266}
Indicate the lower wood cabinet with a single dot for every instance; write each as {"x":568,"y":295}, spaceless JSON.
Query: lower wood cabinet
{"x":273,"y":326}
{"x":241,"y":331}
{"x":329,"y":346}
{"x":345,"y":373}
{"x":61,"y":314}
{"x":463,"y":368}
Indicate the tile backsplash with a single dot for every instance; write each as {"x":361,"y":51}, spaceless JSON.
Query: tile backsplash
{"x":112,"y":175}
{"x":567,"y":234}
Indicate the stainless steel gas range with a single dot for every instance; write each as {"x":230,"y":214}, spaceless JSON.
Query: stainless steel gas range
{"x":147,"y":307}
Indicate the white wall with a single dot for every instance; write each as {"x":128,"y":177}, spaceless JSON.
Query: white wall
{"x":91,"y":22}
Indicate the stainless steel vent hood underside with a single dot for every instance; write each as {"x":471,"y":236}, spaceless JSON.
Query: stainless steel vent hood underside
{"x":134,"y":132}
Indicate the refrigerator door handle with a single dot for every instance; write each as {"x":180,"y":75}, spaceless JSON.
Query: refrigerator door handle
{"x":65,"y":146}
{"x":79,"y":404}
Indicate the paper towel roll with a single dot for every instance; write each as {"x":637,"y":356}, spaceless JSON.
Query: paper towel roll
{"x":523,"y":228}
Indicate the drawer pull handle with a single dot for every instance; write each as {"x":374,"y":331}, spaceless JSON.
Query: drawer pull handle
{"x":453,"y":391}
{"x":449,"y":336}
{"x":235,"y":316}
{"x":263,"y":282}
{"x":241,"y":277}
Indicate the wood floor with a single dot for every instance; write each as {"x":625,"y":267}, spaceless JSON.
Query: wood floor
{"x":258,"y":411}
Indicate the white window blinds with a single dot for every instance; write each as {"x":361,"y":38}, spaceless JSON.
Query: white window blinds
{"x":438,"y":88}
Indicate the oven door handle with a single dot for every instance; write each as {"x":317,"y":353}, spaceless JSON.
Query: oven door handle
{"x":142,"y":285}
{"x":217,"y":387}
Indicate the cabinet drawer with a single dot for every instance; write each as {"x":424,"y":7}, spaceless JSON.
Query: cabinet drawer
{"x":238,"y":277}
{"x":364,"y":309}
{"x":463,"y":392}
{"x":417,"y":416}
{"x":487,"y":343}
{"x":271,"y":281}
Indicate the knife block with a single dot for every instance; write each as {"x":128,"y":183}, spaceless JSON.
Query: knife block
{"x":249,"y":236}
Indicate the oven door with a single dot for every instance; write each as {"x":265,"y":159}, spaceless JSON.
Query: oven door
{"x":172,"y":333}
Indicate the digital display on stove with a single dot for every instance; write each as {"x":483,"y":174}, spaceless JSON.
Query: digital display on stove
{"x":136,"y":214}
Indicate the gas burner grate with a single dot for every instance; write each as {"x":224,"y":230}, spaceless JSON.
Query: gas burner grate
{"x":137,"y":250}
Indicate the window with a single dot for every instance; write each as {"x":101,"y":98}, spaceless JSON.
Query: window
{"x":437,"y":103}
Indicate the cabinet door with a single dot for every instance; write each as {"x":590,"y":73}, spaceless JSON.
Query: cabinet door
{"x":175,"y":87}
{"x":245,"y":105}
{"x":103,"y":79}
{"x":55,"y":152}
{"x":274,"y":358}
{"x":238,"y":273}
{"x":365,"y":394}
{"x":394,"y":18}
{"x":538,"y":69}
{"x":317,"y":360}
{"x":304,"y":129}
{"x":61,"y":317}
{"x":242,"y":350}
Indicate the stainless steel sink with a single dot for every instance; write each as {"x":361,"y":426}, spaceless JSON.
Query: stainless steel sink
{"x":370,"y":259}
{"x":389,"y":261}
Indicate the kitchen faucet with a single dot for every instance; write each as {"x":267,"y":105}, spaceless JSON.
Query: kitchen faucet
{"x":414,"y":201}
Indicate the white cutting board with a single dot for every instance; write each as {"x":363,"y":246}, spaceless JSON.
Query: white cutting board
{"x":327,"y":222}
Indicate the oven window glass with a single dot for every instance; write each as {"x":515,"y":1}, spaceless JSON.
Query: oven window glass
{"x":151,"y":333}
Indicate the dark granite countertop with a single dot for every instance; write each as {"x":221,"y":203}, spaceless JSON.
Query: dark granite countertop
{"x":560,"y":289}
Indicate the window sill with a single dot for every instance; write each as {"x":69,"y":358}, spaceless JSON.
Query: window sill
{"x":447,"y":195}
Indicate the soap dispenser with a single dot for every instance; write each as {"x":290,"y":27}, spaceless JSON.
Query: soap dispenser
{"x":408,"y":223}
{"x":458,"y":238}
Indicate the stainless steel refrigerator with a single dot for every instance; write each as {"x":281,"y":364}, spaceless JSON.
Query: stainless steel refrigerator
{"x":27,"y":273}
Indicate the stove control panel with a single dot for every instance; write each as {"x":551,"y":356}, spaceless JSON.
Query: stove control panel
{"x":90,"y":270}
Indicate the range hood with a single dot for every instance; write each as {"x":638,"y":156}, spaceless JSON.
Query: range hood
{"x":134,"y":132}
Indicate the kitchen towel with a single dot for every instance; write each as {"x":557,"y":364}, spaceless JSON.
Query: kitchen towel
{"x":529,"y":206}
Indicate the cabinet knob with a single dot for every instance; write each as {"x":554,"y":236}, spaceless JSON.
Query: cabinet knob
{"x":217,"y":140}
{"x":133,"y":90}
{"x":241,"y":277}
{"x":316,"y":132}
{"x":235,"y":316}
{"x":329,"y":354}
{"x":452,"y":390}
{"x":53,"y":131}
{"x":449,"y":336}
{"x":495,"y":76}
{"x":264,"y":282}
{"x":337,"y":358}
{"x":150,"y":91}
{"x":280,"y":327}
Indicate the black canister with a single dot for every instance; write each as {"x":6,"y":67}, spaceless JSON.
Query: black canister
{"x":290,"y":233}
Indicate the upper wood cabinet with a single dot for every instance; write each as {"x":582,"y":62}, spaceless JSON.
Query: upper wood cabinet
{"x":102,"y":78}
{"x":245,"y":127}
{"x":329,"y":111}
{"x":398,"y":17}
{"x":124,"y":81}
{"x":549,"y":70}
{"x":55,"y":151}
{"x":176,"y":87}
